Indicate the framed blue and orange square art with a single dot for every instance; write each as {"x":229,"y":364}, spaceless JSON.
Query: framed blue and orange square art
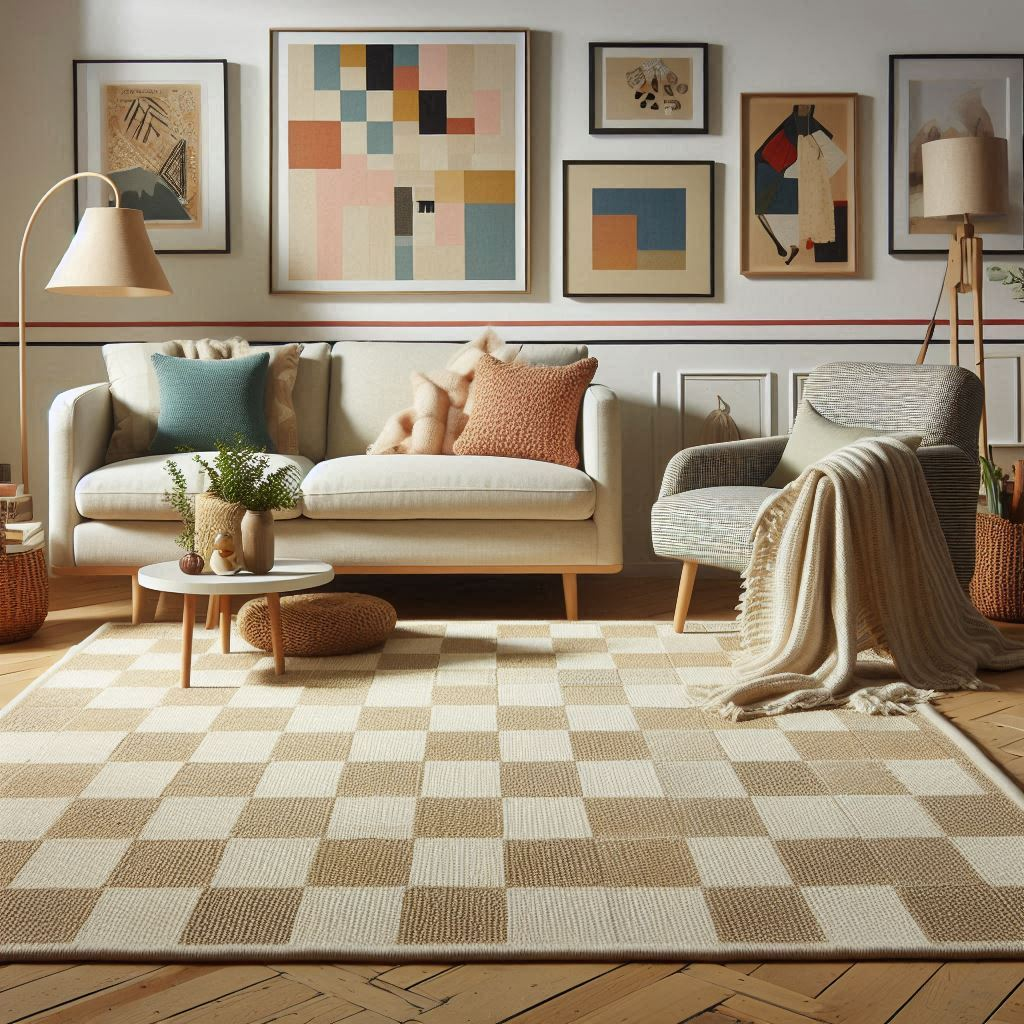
{"x":399,"y":161}
{"x":638,"y":227}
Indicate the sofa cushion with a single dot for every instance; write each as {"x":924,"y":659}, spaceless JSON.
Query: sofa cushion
{"x":444,"y":487}
{"x":370,"y":380}
{"x":134,"y":488}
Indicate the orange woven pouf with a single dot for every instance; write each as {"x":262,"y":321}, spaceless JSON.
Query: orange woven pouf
{"x":315,"y":625}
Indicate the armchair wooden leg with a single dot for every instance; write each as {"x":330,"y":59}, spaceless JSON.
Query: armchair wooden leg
{"x":572,"y":609}
{"x":686,"y":580}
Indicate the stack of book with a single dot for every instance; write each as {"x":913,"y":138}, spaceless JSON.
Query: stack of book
{"x":21,"y":537}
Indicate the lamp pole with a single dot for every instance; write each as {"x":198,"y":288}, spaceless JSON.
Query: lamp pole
{"x":22,"y":343}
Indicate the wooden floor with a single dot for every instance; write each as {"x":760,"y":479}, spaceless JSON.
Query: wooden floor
{"x":904,"y":992}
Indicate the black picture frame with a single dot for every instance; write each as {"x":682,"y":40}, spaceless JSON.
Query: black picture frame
{"x":943,"y":250}
{"x":712,"y":254}
{"x":593,"y":49}
{"x":77,"y":211}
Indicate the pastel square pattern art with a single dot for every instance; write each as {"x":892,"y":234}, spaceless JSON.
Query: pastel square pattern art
{"x":414,"y":113}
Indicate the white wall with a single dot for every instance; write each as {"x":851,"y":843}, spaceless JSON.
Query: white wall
{"x":783,"y":45}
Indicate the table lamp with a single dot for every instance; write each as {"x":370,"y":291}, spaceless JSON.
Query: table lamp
{"x":110,"y":255}
{"x":965,"y":178}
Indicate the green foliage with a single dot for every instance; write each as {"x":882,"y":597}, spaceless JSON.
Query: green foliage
{"x":240,"y":473}
{"x":1011,"y":277}
{"x":992,"y":477}
{"x":181,"y":501}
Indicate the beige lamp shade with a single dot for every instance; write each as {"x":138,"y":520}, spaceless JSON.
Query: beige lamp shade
{"x":965,"y":177}
{"x":110,"y":255}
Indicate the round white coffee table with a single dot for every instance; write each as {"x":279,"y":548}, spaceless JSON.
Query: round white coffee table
{"x":288,"y":574}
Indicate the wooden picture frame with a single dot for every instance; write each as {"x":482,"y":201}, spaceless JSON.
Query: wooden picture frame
{"x":779,"y":235}
{"x":375,"y":189}
{"x":159,"y":129}
{"x":939,"y":86}
{"x":663,"y":89}
{"x":638,"y":228}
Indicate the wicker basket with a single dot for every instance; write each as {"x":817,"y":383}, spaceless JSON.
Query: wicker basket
{"x":997,"y":588}
{"x":215,"y":516}
{"x":24,"y":591}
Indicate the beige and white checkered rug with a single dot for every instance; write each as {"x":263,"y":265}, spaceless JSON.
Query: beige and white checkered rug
{"x":488,"y":790}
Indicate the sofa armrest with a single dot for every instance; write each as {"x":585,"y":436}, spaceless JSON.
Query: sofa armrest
{"x":81,"y":422}
{"x":601,"y":451}
{"x":729,"y":464}
{"x":953,"y":480}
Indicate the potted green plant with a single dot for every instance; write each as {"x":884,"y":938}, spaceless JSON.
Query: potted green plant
{"x":999,"y":563}
{"x":181,"y":501}
{"x":240,"y":476}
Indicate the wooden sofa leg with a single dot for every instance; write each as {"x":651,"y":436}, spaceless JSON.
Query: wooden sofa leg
{"x":572,"y":609}
{"x":686,"y":580}
{"x":138,"y":601}
{"x":212,"y":611}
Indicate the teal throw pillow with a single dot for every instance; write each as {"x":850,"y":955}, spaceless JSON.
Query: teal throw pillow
{"x":206,"y":401}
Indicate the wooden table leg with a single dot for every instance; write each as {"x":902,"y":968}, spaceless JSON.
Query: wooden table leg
{"x":138,"y":600}
{"x":212,"y":611}
{"x":225,"y":624}
{"x":276,"y":637}
{"x":188,"y":621}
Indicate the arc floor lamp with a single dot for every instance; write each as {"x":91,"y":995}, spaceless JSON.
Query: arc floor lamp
{"x":110,"y":255}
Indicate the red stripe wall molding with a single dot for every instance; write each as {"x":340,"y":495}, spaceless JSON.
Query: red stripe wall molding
{"x":866,"y":322}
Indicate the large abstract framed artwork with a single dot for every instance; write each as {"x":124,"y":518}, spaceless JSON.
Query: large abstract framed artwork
{"x":399,"y":161}
{"x":638,"y":227}
{"x":941,"y":96}
{"x":159,"y":129}
{"x":800,"y":213}
{"x":648,"y":88}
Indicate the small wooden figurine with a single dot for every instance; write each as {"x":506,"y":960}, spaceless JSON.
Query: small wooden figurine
{"x":223,"y":559}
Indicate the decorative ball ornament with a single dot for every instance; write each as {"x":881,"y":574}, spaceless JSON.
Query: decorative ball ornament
{"x":191,"y":564}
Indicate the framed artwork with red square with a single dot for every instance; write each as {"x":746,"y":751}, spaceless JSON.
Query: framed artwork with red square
{"x":798,"y":163}
{"x":638,"y":227}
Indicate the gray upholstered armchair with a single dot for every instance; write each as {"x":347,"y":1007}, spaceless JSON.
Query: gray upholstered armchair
{"x":711,"y":493}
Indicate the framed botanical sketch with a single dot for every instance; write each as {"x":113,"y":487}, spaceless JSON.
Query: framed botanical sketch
{"x":399,"y":161}
{"x":938,"y":96}
{"x":638,"y":227}
{"x":799,"y":215}
{"x":159,"y":129}
{"x":648,"y":88}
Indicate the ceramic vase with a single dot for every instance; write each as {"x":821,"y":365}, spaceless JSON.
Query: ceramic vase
{"x":191,"y":564}
{"x":258,"y":542}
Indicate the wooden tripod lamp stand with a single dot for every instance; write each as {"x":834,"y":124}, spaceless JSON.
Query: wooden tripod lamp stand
{"x":964,"y":177}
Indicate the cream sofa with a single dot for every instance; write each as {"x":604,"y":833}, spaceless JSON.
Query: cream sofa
{"x":361,"y":513}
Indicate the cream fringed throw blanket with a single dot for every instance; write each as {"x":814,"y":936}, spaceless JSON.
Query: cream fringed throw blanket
{"x":850,"y":560}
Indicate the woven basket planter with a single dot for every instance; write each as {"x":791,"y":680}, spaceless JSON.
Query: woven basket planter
{"x":997,"y":588}
{"x":214,"y":516}
{"x":24,"y":595}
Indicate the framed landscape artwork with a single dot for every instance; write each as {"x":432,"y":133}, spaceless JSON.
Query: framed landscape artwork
{"x":158,"y":128}
{"x":648,"y":88}
{"x":399,"y":161}
{"x":800,"y":213}
{"x":638,"y":227}
{"x":941,"y":96}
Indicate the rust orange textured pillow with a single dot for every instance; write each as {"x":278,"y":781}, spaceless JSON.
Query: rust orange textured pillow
{"x":526,"y":412}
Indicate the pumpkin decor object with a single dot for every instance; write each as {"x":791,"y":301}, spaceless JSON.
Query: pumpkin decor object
{"x":191,"y":563}
{"x":719,"y":425}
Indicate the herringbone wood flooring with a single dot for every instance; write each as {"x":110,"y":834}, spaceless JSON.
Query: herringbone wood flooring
{"x":903,"y":992}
